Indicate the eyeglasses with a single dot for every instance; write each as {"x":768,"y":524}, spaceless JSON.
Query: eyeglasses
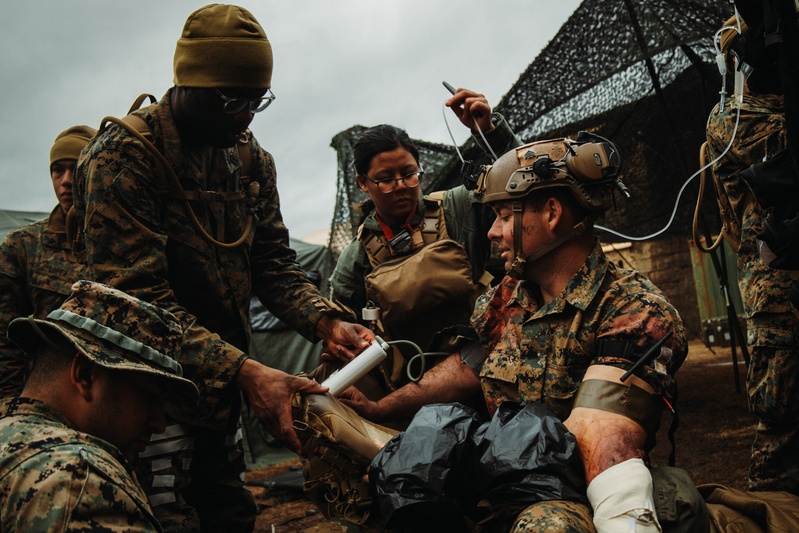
{"x":389,"y":185}
{"x":232,"y":106}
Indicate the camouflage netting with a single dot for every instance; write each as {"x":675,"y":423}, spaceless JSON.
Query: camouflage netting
{"x":640,"y":72}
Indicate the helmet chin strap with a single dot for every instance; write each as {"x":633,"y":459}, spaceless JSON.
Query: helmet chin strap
{"x":516,"y":270}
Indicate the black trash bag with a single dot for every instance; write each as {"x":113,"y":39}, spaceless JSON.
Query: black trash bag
{"x":418,"y":476}
{"x":449,"y":468}
{"x":524,"y":455}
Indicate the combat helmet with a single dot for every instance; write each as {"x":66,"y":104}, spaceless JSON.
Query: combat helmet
{"x":588,"y":167}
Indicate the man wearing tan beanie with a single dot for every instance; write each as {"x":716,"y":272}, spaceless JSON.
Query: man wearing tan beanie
{"x":193,"y":223}
{"x":37,"y":265}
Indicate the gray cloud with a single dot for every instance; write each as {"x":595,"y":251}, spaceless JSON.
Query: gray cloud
{"x":337,"y":64}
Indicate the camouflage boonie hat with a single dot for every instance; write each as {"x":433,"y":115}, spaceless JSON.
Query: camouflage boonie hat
{"x":115,"y":330}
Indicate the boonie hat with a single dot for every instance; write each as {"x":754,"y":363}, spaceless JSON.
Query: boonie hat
{"x":116,"y":331}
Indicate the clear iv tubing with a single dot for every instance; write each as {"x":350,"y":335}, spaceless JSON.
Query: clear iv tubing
{"x":477,"y":126}
{"x":597,"y":226}
{"x":679,"y":194}
{"x":419,"y":355}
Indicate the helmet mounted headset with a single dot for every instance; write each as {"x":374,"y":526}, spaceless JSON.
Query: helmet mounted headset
{"x":588,"y":167}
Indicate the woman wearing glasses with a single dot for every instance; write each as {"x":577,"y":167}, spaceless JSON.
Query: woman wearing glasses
{"x":417,"y":262}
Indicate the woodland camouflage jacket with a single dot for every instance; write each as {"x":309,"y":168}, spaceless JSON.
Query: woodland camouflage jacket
{"x":540,"y":353}
{"x":140,"y":239}
{"x":55,"y":478}
{"x":37,"y":270}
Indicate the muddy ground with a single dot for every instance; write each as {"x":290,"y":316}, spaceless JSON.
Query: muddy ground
{"x":713,"y":439}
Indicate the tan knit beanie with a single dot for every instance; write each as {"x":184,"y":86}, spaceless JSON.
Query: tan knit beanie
{"x":223,"y":46}
{"x":70,"y":142}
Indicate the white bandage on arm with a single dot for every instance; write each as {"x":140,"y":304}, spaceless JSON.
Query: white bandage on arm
{"x":622,"y":499}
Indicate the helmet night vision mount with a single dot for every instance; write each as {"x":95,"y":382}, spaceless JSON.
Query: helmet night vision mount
{"x":587,"y":166}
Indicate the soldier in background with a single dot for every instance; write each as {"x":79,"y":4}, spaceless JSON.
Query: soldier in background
{"x":37,"y":265}
{"x":101,"y":365}
{"x":772,"y":380}
{"x":190,"y":220}
{"x":416,"y":234}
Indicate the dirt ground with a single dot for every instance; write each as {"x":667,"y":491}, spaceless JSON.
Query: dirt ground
{"x":712,"y":443}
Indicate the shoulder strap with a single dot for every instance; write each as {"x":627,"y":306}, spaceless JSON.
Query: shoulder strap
{"x":140,"y":100}
{"x":375,"y":245}
{"x":139,"y":129}
{"x":731,"y":229}
{"x":434,"y":226}
{"x":245,"y":155}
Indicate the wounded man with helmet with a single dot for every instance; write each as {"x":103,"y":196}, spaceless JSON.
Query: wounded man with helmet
{"x":562,"y":329}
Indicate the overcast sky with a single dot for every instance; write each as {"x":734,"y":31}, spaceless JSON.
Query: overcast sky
{"x":337,"y":64}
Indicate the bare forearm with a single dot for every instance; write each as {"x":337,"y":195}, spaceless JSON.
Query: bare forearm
{"x":605,"y":439}
{"x":449,"y":381}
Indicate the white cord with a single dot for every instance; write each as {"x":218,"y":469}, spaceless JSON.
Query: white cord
{"x":477,"y":126}
{"x":679,"y":194}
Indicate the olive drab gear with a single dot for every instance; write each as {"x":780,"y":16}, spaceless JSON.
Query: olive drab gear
{"x":587,"y":167}
{"x":170,"y":184}
{"x":421,"y":292}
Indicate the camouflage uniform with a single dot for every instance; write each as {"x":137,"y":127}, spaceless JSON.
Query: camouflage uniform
{"x":37,"y":270}
{"x":541,"y":354}
{"x":139,"y":239}
{"x":772,"y":330}
{"x":55,"y":478}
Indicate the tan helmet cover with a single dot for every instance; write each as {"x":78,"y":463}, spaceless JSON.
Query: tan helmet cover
{"x":587,"y":169}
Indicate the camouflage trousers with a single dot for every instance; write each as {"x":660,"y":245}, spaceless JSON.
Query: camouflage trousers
{"x":679,"y":506}
{"x":194,"y":479}
{"x":772,"y":384}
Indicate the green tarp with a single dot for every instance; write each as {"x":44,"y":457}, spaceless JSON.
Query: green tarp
{"x":11,"y":220}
